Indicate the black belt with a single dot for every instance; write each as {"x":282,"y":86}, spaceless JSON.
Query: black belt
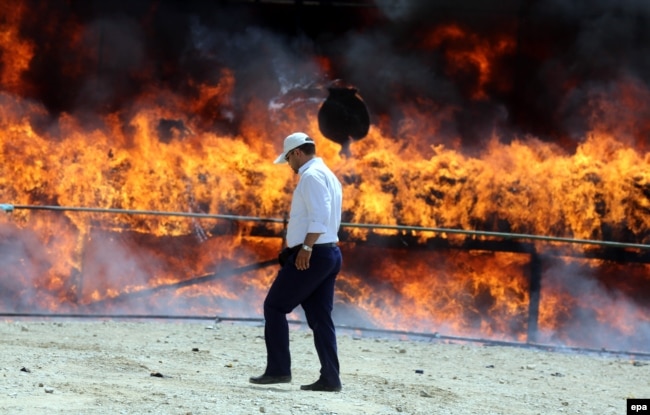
{"x":326,"y":245}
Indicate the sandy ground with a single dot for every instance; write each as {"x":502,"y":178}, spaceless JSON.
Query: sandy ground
{"x":190,"y":367}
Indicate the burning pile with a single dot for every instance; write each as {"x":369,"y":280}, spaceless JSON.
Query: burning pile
{"x":104,"y":108}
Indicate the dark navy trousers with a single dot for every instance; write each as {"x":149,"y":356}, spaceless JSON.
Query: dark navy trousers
{"x":313,"y":289}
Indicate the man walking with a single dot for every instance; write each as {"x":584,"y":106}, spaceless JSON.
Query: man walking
{"x":309,"y":270}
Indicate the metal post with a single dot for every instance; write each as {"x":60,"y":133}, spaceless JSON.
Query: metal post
{"x":534,"y":295}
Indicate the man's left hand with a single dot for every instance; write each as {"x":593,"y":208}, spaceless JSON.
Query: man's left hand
{"x":302,"y":260}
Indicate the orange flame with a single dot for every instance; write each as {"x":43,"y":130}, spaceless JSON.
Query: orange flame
{"x":162,"y":154}
{"x":15,"y":52}
{"x":470,"y":52}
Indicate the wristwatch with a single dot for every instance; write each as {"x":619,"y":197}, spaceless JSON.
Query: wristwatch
{"x":307,"y":248}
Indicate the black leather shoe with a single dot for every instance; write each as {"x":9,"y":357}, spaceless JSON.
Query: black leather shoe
{"x":321,"y":386}
{"x":268,"y":380}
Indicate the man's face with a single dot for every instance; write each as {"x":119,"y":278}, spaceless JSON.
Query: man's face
{"x":293,"y":158}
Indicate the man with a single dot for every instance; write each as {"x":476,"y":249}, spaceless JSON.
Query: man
{"x":307,"y":276}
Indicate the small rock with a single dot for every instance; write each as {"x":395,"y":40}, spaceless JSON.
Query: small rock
{"x":49,"y":389}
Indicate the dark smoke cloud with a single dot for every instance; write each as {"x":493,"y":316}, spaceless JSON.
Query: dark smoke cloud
{"x":594,"y":47}
{"x":569,"y":52}
{"x":410,"y":11}
{"x":566,"y":51}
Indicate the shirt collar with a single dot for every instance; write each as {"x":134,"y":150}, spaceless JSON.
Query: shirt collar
{"x":308,"y":164}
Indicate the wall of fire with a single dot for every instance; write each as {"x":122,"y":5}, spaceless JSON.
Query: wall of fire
{"x":527,"y":117}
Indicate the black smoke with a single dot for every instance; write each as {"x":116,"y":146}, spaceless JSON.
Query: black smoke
{"x":571,"y":58}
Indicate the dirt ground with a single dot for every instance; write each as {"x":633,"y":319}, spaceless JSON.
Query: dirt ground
{"x":202,"y":367}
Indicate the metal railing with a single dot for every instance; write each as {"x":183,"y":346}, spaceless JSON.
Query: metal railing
{"x":407,"y":228}
{"x":535,"y":264}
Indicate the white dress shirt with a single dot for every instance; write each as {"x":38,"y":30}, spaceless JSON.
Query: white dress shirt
{"x":316,"y":204}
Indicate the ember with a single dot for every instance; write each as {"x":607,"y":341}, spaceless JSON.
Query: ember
{"x":165,"y":119}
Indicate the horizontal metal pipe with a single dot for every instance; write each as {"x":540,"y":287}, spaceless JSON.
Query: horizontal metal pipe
{"x":184,"y":283}
{"x":332,"y":3}
{"x":435,"y":336}
{"x":503,"y":235}
{"x":142,"y":212}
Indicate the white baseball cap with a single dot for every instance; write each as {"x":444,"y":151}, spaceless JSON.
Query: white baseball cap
{"x":292,"y":141}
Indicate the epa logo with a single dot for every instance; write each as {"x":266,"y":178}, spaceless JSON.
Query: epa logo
{"x":638,"y":406}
